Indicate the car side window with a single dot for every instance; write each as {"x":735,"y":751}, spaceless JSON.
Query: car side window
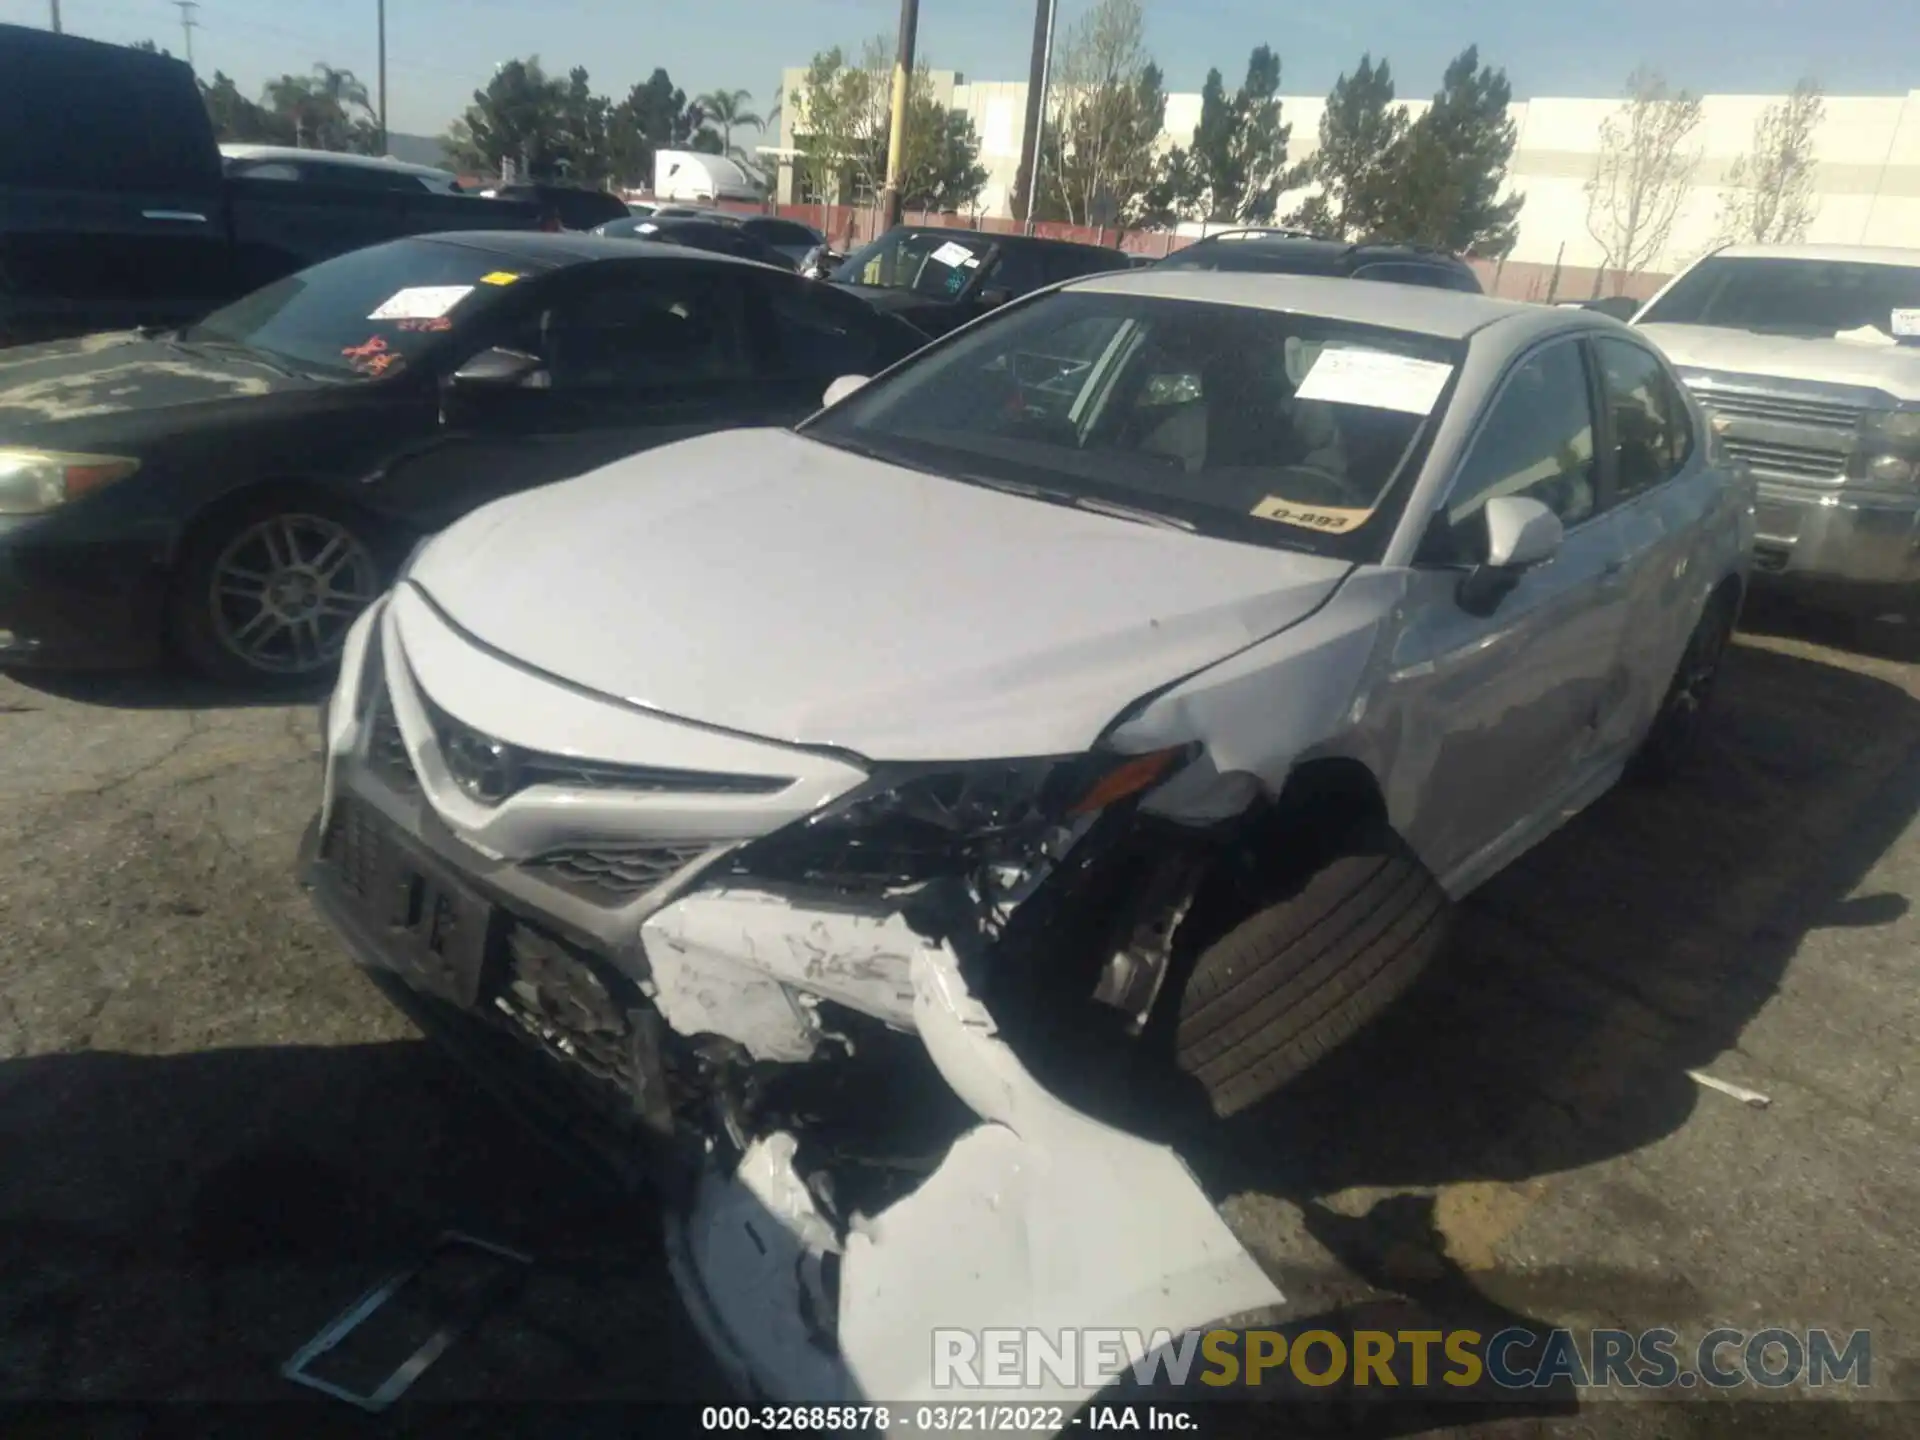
{"x":1652,"y":436}
{"x":1536,"y":440}
{"x":267,"y":170}
{"x":814,"y":336}
{"x":648,"y":327}
{"x":1018,"y":269}
{"x":1402,"y":274}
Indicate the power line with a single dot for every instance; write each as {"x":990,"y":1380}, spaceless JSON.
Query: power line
{"x":188,"y":24}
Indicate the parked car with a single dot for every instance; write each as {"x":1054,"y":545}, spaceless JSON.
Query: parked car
{"x":1163,"y":654}
{"x":238,"y":489}
{"x":1295,"y":252}
{"x":567,"y":207}
{"x":940,"y":278}
{"x":1809,"y":358}
{"x":718,"y":235}
{"x":119,"y":213}
{"x":321,"y":167}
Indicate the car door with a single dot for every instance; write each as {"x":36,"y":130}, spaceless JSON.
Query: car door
{"x":1501,"y":709}
{"x":1665,"y":495}
{"x":632,"y":355}
{"x":810,"y":335}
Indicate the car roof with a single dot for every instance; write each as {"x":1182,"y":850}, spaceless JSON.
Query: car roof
{"x":1319,"y":248}
{"x":995,"y":237}
{"x":331,"y":157}
{"x":1859,"y":254}
{"x":554,"y":250}
{"x":1444,"y":314}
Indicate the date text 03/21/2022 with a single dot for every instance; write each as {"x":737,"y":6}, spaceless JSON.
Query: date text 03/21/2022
{"x":943,"y":1418}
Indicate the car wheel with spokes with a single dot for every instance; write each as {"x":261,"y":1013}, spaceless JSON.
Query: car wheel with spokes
{"x":267,"y":592}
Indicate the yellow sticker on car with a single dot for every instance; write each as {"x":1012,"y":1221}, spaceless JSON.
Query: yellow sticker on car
{"x":499,"y":277}
{"x":1330,"y":520}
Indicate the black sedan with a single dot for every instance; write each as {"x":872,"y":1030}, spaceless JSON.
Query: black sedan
{"x":939,"y":278}
{"x":236,"y":491}
{"x":718,"y":234}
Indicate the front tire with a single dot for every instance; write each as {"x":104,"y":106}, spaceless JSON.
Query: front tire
{"x":1675,"y":732}
{"x":1300,"y":977}
{"x":265,"y":592}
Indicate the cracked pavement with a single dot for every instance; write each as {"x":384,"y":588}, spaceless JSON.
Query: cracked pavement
{"x":218,"y":1134}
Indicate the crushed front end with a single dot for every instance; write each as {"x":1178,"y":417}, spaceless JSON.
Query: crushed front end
{"x":770,"y":981}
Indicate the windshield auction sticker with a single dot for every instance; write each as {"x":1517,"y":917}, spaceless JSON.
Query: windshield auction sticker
{"x":421,"y":302}
{"x":953,"y":255}
{"x":1906,"y":323}
{"x":499,"y":277}
{"x":1328,"y":520}
{"x":1346,"y":375}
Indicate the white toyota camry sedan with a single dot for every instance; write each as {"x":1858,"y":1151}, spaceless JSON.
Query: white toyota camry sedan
{"x":1158,"y":658}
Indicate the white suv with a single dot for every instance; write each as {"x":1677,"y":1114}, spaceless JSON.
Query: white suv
{"x":1161,"y":655}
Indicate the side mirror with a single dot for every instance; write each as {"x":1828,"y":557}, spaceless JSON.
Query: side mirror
{"x":499,"y":368}
{"x":1521,"y":534}
{"x":843,"y":387}
{"x":995,"y":296}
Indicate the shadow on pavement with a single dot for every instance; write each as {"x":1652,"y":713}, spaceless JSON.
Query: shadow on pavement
{"x":164,"y":689}
{"x":174,"y":1228}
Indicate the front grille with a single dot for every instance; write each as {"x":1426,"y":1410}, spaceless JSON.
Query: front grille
{"x":616,"y":872}
{"x":1797,"y":462}
{"x":1783,"y":409}
{"x":353,"y":847}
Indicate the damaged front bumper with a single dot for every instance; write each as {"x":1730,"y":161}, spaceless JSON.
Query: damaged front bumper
{"x":744,"y":1048}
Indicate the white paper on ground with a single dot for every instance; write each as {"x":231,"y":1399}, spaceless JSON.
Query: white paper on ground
{"x":953,"y":254}
{"x":1350,"y":376}
{"x":421,"y":302}
{"x":1906,"y":323}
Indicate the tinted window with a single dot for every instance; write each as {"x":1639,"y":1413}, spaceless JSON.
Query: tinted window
{"x":369,"y":312}
{"x":1536,"y":440}
{"x":1788,"y":297}
{"x":81,"y":116}
{"x":820,"y":333}
{"x":1651,"y":433}
{"x":782,"y":232}
{"x":643,"y":326}
{"x":1255,"y":425}
{"x":1020,"y":268}
{"x":360,"y":177}
{"x":934,"y":263}
{"x":266,"y":170}
{"x":1065,"y":263}
{"x":1412,"y":272}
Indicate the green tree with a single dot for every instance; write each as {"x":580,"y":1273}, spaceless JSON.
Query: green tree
{"x":1768,"y":195}
{"x":1451,"y":167}
{"x":326,"y":110}
{"x":656,"y":116}
{"x":943,"y":172}
{"x":519,"y":119}
{"x":237,"y":118}
{"x":841,"y":119}
{"x":1361,"y":133}
{"x":1103,"y":119}
{"x":727,"y":109}
{"x":1235,"y":167}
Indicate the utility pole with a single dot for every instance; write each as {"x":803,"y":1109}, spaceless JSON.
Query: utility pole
{"x":55,"y":6}
{"x":1027,"y":181}
{"x":897,"y":130}
{"x":188,"y":24}
{"x":383,"y":77}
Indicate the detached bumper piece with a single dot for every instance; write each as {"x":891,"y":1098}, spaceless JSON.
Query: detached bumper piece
{"x":1039,"y":1219}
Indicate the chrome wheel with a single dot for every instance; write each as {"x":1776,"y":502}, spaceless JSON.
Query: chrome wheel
{"x":286,"y":589}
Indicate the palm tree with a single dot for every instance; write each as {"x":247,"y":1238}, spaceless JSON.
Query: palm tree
{"x":728,"y":108}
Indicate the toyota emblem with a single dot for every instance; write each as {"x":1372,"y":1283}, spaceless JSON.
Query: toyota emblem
{"x":484,"y":769}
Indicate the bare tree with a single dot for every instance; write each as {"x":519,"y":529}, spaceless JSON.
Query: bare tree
{"x":1648,"y":156}
{"x":1768,"y":197}
{"x":1104,"y":111}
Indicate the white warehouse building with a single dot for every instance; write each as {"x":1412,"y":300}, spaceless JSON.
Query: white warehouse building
{"x":1867,"y":184}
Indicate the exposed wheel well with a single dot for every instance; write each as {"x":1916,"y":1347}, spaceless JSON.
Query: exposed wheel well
{"x":222,"y":507}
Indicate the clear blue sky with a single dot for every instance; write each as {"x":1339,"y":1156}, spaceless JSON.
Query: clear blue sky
{"x":440,"y":50}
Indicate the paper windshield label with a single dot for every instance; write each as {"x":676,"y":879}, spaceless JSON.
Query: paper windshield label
{"x":1349,"y":376}
{"x":1328,"y":519}
{"x":953,"y":254}
{"x":1906,"y":323}
{"x":421,"y":302}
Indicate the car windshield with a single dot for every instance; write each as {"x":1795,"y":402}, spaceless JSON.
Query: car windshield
{"x":1793,"y":297}
{"x":934,"y":263}
{"x":367,"y":313}
{"x":1248,"y":424}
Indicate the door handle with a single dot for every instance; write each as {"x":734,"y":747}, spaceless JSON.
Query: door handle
{"x":186,"y":217}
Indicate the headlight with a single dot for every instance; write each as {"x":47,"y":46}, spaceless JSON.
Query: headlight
{"x":1889,"y":450}
{"x":33,"y":482}
{"x":911,"y":823}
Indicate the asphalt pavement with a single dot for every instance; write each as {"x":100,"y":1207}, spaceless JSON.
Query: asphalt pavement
{"x":215,"y":1133}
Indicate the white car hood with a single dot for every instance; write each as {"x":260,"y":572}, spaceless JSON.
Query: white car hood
{"x":776,"y":586}
{"x":1893,"y":368}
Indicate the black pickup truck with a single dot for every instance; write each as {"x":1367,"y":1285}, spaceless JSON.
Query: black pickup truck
{"x":115,"y":210}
